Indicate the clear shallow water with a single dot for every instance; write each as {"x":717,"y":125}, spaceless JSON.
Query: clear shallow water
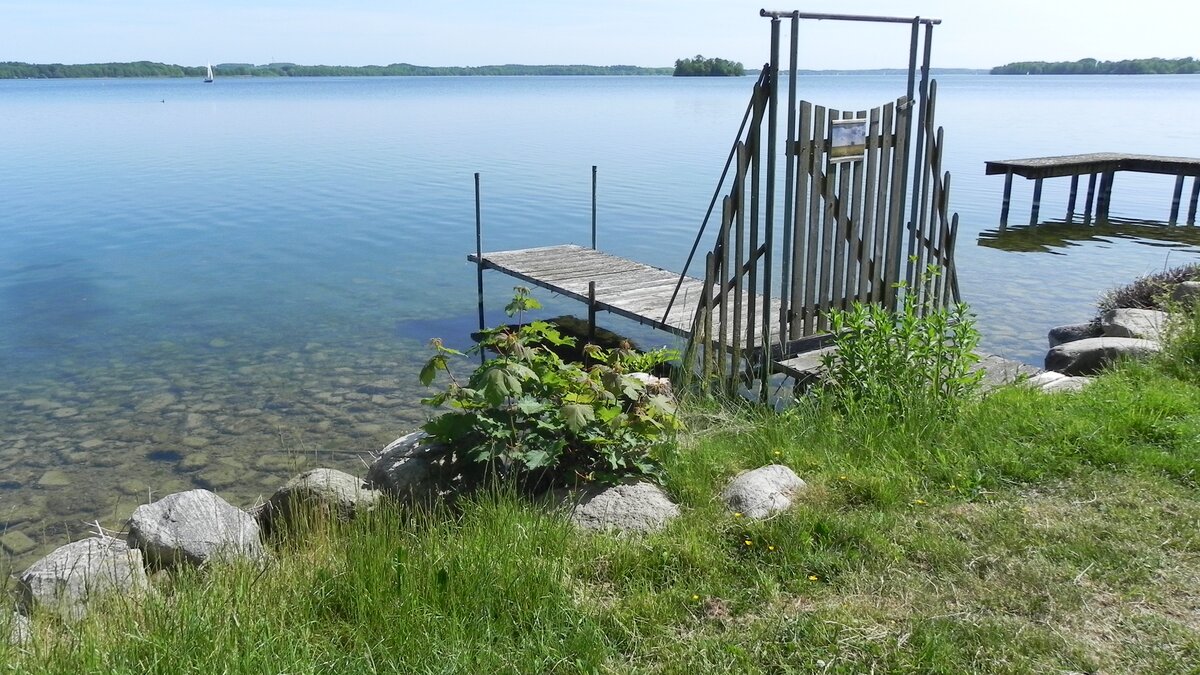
{"x":213,"y":285}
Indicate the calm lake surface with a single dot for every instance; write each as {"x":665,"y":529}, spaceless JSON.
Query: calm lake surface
{"x":217,"y":285}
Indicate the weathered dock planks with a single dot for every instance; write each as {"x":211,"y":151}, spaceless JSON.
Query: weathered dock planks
{"x":630,"y":289}
{"x":1098,"y":164}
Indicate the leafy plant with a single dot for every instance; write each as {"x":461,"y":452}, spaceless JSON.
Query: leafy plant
{"x":895,"y":361}
{"x":528,"y":410}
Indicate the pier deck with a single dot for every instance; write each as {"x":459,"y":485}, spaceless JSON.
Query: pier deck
{"x":1102,"y":164}
{"x":624,"y":287}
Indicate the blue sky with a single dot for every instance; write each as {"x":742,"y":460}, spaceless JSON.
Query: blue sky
{"x":975,"y":33}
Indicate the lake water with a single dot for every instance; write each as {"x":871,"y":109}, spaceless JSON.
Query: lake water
{"x":216,"y":285}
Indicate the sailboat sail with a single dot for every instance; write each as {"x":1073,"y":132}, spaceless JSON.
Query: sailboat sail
{"x":208,"y":77}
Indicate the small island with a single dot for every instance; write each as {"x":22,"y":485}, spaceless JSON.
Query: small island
{"x":702,"y":67}
{"x":1155,"y":66}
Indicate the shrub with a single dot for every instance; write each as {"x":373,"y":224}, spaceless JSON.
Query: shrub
{"x":1148,"y":292}
{"x":528,"y":410}
{"x":894,"y":362}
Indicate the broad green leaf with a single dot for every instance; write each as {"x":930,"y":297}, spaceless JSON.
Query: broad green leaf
{"x":530,"y":406}
{"x":435,"y":363}
{"x":499,"y":384}
{"x":577,"y":415}
{"x":536,"y":459}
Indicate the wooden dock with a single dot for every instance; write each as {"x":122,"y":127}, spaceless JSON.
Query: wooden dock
{"x":1102,"y":166}
{"x":610,"y":283}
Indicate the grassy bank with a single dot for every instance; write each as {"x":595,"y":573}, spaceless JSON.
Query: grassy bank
{"x":1023,"y":533}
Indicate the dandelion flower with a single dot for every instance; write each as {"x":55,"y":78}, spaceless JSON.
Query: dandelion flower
{"x":695,"y":598}
{"x":748,"y":542}
{"x":812,"y":577}
{"x":919,"y":502}
{"x":771,"y":547}
{"x":737,"y":514}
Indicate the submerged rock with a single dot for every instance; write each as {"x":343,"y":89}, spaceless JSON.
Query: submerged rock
{"x":763,"y":492}
{"x":193,"y":527}
{"x":71,"y":576}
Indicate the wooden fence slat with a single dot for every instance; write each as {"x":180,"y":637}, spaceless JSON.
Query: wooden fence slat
{"x":812,"y":271}
{"x":799,"y":221}
{"x":895,"y":219}
{"x":887,"y":150}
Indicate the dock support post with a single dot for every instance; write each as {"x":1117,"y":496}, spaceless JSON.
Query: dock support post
{"x":591,"y":312}
{"x":1195,"y":198}
{"x":1176,"y":198}
{"x":1007,"y":200}
{"x":1071,"y":199}
{"x":1037,"y":201}
{"x":593,"y":207}
{"x":1087,"y":205}
{"x":1105,"y":200}
{"x":479,"y":261}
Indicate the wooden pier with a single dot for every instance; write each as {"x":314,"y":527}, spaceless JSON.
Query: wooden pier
{"x":1101,"y":166}
{"x":606,"y":282}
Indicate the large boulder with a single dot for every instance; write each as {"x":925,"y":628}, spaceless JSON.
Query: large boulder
{"x":194,"y":527}
{"x":414,"y":468}
{"x":1133,"y":323}
{"x":763,"y":492}
{"x":328,"y":491}
{"x":1050,"y":382}
{"x":1089,"y":356}
{"x":71,"y":576}
{"x":1075,"y":331}
{"x":629,"y":507}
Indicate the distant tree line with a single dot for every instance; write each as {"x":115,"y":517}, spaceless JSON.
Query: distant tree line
{"x":16,"y":70}
{"x":702,"y":67}
{"x":1155,"y":66}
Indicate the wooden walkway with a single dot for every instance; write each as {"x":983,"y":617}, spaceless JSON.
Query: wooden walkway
{"x":1102,"y":164}
{"x":630,"y":289}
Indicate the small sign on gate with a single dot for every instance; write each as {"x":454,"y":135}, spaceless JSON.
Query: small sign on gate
{"x":847,"y":140}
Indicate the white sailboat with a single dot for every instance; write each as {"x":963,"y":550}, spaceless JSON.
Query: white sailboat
{"x":208,"y":77}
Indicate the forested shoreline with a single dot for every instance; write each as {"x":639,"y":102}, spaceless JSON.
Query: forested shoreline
{"x":18,"y":70}
{"x":1155,"y":66}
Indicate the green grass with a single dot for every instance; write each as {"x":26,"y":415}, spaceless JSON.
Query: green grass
{"x":1025,"y":533}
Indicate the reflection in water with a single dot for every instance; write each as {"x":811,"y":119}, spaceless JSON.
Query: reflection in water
{"x":1056,"y":236}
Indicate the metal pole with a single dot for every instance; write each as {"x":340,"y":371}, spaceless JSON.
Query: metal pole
{"x":769,"y":223}
{"x":593,"y":207}
{"x":789,"y":154}
{"x":479,"y":260}
{"x":591,"y":312}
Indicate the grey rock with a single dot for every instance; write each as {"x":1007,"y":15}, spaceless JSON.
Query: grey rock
{"x":411,"y":467}
{"x":1043,"y":379}
{"x":1089,"y":356}
{"x":19,"y":630}
{"x":630,"y":507}
{"x":999,"y":371}
{"x":1075,"y":331}
{"x":193,"y":527}
{"x":70,"y":576}
{"x":1187,"y":293}
{"x":334,"y":492}
{"x":763,"y":492}
{"x":1133,"y":323}
{"x":1066,"y":385}
{"x":654,"y":385}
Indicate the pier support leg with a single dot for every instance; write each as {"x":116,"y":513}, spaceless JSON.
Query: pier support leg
{"x":1105,"y":199}
{"x":479,"y":263}
{"x":1071,"y":199}
{"x":1195,"y":198}
{"x":1175,"y":199}
{"x":1087,"y":204}
{"x":1007,"y":199}
{"x":592,"y":312}
{"x":1037,"y":201}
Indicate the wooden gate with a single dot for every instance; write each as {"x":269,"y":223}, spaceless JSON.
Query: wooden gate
{"x":845,"y":234}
